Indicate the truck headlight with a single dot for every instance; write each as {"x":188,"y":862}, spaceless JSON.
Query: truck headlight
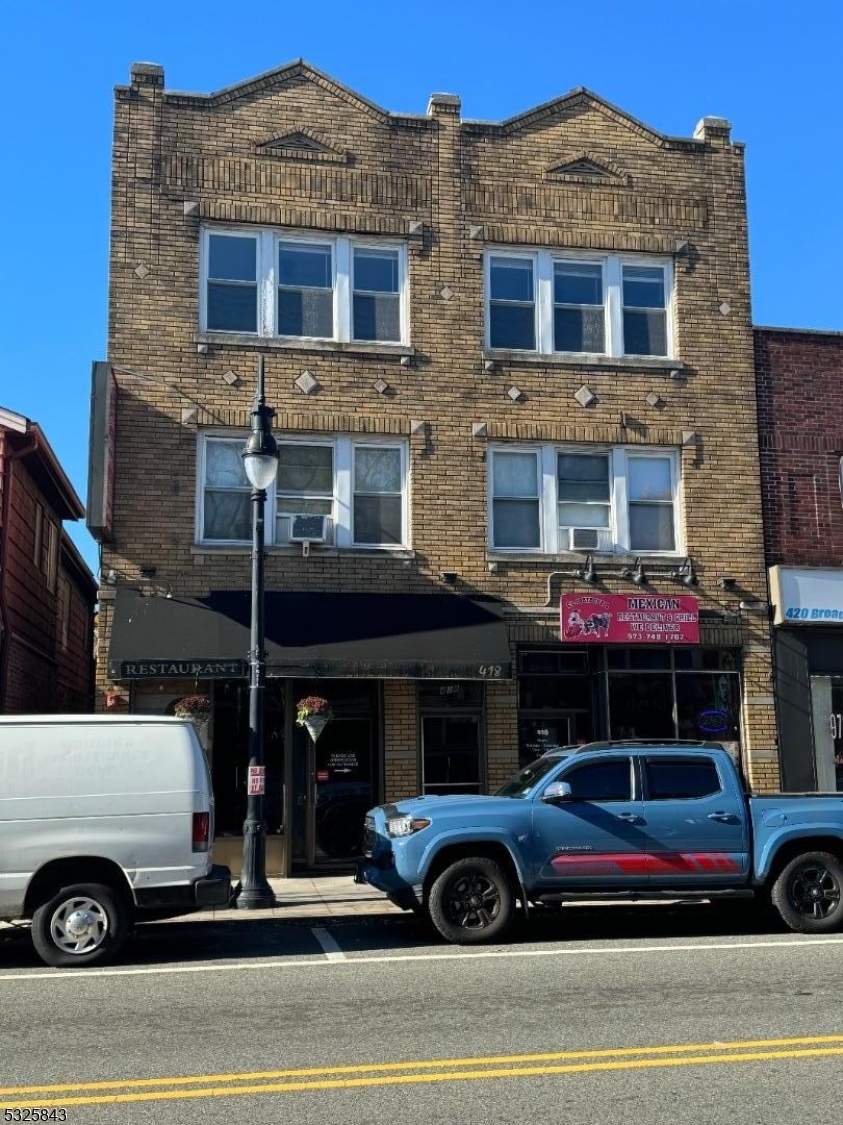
{"x":405,"y":825}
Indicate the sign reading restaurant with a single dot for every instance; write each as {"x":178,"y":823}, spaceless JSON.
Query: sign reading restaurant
{"x":623,"y":619}
{"x":176,"y":669}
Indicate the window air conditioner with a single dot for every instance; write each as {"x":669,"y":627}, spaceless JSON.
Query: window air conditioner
{"x":589,"y":539}
{"x":306,"y":528}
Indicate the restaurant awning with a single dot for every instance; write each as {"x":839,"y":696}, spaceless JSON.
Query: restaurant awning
{"x":310,"y":634}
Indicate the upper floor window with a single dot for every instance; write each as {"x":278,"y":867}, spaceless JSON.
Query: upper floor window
{"x":46,"y":546}
{"x":358,"y":486}
{"x":553,"y":302}
{"x":586,"y":498}
{"x":301,"y":286}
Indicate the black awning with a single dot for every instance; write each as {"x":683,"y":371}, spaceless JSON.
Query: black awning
{"x":378,"y":636}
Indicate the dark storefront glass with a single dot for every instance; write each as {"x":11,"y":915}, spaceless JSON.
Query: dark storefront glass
{"x":708,"y":705}
{"x":451,"y":713}
{"x":230,"y":756}
{"x":645,"y":691}
{"x":556,"y":692}
{"x":641,"y":706}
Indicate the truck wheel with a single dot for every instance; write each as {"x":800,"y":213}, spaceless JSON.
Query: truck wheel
{"x":83,"y":924}
{"x":807,"y":893}
{"x":472,"y":901}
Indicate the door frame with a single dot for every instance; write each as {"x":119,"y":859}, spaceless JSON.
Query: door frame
{"x":439,"y":711}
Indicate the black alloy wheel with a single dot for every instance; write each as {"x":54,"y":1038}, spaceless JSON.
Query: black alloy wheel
{"x":808,"y":893}
{"x":472,"y":901}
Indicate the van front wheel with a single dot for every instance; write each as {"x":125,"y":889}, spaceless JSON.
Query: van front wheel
{"x":83,"y":924}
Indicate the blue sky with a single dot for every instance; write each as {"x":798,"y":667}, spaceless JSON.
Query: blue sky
{"x":773,"y":68}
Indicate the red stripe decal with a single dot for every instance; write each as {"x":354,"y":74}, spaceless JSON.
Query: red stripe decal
{"x":625,"y":864}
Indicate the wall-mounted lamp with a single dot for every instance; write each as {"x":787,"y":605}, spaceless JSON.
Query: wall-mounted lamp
{"x":587,"y":573}
{"x":638,"y":575}
{"x":111,"y":578}
{"x":727,"y":583}
{"x":148,"y":571}
{"x":685,"y":573}
{"x":449,"y":576}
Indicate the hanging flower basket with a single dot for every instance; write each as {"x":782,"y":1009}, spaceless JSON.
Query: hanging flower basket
{"x":314,"y":713}
{"x":197,"y":708}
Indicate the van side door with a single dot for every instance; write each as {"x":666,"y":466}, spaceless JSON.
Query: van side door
{"x":696,"y":832}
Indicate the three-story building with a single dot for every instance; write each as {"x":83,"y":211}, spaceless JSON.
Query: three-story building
{"x":518,"y":494}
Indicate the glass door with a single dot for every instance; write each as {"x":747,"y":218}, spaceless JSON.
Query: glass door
{"x":340,"y":771}
{"x":827,"y":708}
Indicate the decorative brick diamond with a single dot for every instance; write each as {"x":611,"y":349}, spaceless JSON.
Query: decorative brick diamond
{"x":231,"y":377}
{"x":725,"y":308}
{"x":514,"y":394}
{"x":653,"y":399}
{"x":381,"y":386}
{"x":306,"y":383}
{"x":446,"y":293}
{"x":585,"y":397}
{"x":141,"y":272}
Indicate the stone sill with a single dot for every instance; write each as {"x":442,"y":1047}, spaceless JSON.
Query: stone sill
{"x":642,"y":364}
{"x":316,"y":550}
{"x":283,"y":344}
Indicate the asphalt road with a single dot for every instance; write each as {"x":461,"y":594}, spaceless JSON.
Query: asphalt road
{"x":622,"y":1014}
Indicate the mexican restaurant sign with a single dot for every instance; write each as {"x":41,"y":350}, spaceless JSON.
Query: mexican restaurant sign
{"x":623,"y":619}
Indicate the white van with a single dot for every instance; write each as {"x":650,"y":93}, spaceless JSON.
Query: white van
{"x":104,"y":821}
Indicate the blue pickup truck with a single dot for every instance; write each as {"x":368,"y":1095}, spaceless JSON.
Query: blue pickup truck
{"x":616,"y":819}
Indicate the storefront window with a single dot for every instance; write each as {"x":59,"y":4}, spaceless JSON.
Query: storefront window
{"x":641,"y":706}
{"x":707,"y":706}
{"x":635,"y":692}
{"x":556,"y":692}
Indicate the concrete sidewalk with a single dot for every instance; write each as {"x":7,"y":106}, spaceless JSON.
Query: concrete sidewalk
{"x":319,"y":896}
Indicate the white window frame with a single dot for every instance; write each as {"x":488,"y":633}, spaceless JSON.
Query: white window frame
{"x":402,"y":448}
{"x":541,"y":497}
{"x":343,"y":500}
{"x":342,"y":257}
{"x":619,"y":458}
{"x":612,"y":265}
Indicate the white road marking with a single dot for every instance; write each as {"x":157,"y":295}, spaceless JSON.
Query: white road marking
{"x":479,"y":955}
{"x":332,"y":950}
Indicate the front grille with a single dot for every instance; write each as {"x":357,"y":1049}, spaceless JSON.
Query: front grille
{"x":369,"y":835}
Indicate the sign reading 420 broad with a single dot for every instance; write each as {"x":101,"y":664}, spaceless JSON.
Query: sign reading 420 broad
{"x":629,"y":619}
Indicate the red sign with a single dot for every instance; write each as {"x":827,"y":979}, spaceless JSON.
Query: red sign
{"x":623,"y":619}
{"x":257,"y":781}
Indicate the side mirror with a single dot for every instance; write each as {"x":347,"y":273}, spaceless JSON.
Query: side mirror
{"x":557,"y":791}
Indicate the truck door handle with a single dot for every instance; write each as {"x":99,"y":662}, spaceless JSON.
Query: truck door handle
{"x":725,"y":817}
{"x":630,"y":817}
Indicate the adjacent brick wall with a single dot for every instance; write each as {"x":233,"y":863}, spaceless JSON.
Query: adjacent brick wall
{"x":799,"y":376}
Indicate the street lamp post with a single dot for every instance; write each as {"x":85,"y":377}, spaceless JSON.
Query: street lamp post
{"x":260,"y":460}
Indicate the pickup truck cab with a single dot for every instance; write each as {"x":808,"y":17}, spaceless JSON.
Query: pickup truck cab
{"x":616,"y":819}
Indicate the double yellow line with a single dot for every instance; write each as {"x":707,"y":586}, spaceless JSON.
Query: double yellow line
{"x":252,"y":1083}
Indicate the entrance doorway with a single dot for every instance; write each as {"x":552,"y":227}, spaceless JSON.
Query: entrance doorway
{"x":335,"y":779}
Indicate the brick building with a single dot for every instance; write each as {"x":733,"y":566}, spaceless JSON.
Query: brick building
{"x":511,"y":361}
{"x":47,"y":593}
{"x":800,"y":386}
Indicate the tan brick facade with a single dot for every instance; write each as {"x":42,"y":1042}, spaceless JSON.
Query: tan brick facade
{"x":449,"y":189}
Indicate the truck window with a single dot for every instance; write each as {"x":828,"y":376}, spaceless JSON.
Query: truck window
{"x":601,"y":781}
{"x":672,"y":779}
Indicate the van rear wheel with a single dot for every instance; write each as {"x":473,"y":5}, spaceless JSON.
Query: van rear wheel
{"x":83,"y":924}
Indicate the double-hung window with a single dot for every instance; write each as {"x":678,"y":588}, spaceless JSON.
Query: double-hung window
{"x":299,"y":286}
{"x":569,"y":303}
{"x":593,"y":498}
{"x":359,"y":486}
